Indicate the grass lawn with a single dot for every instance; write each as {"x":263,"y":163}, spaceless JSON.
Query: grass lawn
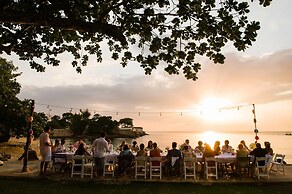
{"x":44,"y":186}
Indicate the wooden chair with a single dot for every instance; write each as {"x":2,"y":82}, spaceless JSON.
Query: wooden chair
{"x":189,"y":165}
{"x":141,"y":166}
{"x":80,"y":165}
{"x":109,"y":167}
{"x":279,"y":163}
{"x":59,"y":163}
{"x":211,"y":165}
{"x":262,"y":168}
{"x":243,"y":163}
{"x":155,"y":167}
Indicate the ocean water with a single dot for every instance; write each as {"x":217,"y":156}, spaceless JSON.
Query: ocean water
{"x":280,"y":142}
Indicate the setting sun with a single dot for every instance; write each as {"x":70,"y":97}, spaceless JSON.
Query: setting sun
{"x":211,"y":109}
{"x":210,"y":137}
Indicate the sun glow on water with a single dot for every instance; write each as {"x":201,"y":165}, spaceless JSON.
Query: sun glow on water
{"x":210,"y":137}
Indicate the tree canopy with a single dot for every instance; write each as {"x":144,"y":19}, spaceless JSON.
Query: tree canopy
{"x":13,"y":112}
{"x":171,"y":33}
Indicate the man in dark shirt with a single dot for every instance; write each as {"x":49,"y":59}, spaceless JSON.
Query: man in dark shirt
{"x":173,"y":159}
{"x":257,"y":153}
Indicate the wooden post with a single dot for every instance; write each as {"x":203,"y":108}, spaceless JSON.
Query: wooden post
{"x":28,"y":138}
{"x":255,"y":123}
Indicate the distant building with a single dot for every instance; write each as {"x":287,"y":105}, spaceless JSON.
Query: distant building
{"x":138,"y":129}
{"x":126,"y":128}
{"x":132,"y":131}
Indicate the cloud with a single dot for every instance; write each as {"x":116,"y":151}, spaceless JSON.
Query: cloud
{"x":241,"y":79}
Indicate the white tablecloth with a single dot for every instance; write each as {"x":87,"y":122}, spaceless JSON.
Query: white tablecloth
{"x":222,"y":158}
{"x":226,"y":158}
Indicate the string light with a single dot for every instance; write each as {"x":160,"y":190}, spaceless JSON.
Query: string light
{"x":139,"y":113}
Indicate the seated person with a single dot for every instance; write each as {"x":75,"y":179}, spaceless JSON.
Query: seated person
{"x":226,"y":148}
{"x":245,"y":146}
{"x":268,"y":148}
{"x":173,"y":159}
{"x":134,"y":147}
{"x":121,"y":146}
{"x":187,"y":153}
{"x":57,"y":143}
{"x":259,"y":152}
{"x":155,"y":153}
{"x":110,"y":145}
{"x":149,"y":146}
{"x":241,"y":152}
{"x":125,"y":160}
{"x":200,"y":148}
{"x":75,"y":146}
{"x":141,"y":151}
{"x":61,"y":147}
{"x":80,"y":151}
{"x":186,"y":143}
{"x":208,"y":152}
{"x":217,"y":149}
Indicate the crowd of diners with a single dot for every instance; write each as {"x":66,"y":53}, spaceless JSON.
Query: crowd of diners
{"x":128,"y":152}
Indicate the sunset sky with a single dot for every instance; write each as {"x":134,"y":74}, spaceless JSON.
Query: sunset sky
{"x":221,"y":99}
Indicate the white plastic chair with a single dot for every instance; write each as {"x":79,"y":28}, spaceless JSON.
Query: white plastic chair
{"x":155,"y":170}
{"x":189,"y":167}
{"x":262,"y":167}
{"x":141,"y":166}
{"x":211,"y":165}
{"x":279,"y":163}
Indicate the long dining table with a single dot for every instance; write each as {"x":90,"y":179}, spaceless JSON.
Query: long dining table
{"x":222,"y":158}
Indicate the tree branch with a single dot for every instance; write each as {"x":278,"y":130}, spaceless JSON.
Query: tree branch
{"x":65,"y":24}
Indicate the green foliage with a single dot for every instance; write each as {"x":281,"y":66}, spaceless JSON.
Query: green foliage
{"x":13,"y":112}
{"x":102,"y":124}
{"x":170,"y":33}
{"x":79,"y":122}
{"x":40,"y":120}
{"x":126,"y":122}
